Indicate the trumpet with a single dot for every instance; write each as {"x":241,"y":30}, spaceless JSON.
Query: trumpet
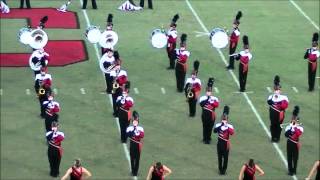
{"x":41,"y":91}
{"x":189,"y":92}
{"x":115,"y":86}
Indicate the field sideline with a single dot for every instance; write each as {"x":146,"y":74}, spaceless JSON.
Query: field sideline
{"x":278,"y":41}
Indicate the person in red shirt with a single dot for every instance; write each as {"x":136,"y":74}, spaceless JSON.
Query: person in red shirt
{"x":181,"y":64}
{"x":293,"y":132}
{"x":77,"y":172}
{"x":312,"y":55}
{"x":172,"y":35}
{"x":248,"y":170}
{"x":234,"y":38}
{"x":158,"y":171}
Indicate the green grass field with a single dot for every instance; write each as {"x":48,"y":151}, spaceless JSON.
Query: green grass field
{"x":278,"y":35}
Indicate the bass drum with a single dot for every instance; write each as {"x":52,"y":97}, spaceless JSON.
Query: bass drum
{"x":24,"y":36}
{"x":219,"y":38}
{"x":36,"y":66}
{"x":158,"y":38}
{"x":108,"y":39}
{"x":93,"y":34}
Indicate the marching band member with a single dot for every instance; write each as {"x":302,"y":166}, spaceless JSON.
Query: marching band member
{"x":224,"y":130}
{"x":124,"y":104}
{"x":248,"y":170}
{"x":76,"y":172}
{"x":54,"y":138}
{"x":94,"y":4}
{"x":136,"y":134}
{"x":107,"y":63}
{"x":172,"y":41}
{"x":293,"y":131}
{"x":192,"y":89}
{"x":208,"y":103}
{"x":119,"y":78}
{"x":315,"y":168}
{"x":278,"y":103}
{"x":244,"y":57}
{"x":51,"y":108}
{"x":312,"y":54}
{"x":158,"y":171}
{"x":234,"y":38}
{"x":40,"y":59}
{"x":42,"y":87}
{"x":181,"y":64}
{"x":108,"y":28}
{"x":27,"y":3}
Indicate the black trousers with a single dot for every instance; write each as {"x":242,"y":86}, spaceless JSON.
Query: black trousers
{"x":42,"y":108}
{"x":275,"y":128}
{"x":180,"y":77}
{"x":149,"y":4}
{"x":134,"y":157}
{"x":207,"y":125}
{"x":232,"y":50}
{"x":94,"y":4}
{"x":54,"y":160}
{"x":49,"y":119}
{"x":242,"y":77}
{"x":192,"y":106}
{"x":124,"y":123}
{"x":311,"y":76}
{"x":223,"y":155}
{"x":292,"y":156}
{"x":115,"y":95}
{"x":27,"y":3}
{"x":109,"y":82}
{"x":171,"y":55}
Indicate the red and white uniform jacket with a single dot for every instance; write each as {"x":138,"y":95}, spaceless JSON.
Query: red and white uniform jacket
{"x":52,"y":107}
{"x":44,"y":81}
{"x":106,"y":62}
{"x":312,"y":54}
{"x":244,"y":58}
{"x":39,"y":58}
{"x":278,"y":103}
{"x":195,"y":86}
{"x":209,"y":103}
{"x":293,"y":132}
{"x":182,"y":56}
{"x":135,"y":133}
{"x":234,"y":37}
{"x":224,"y":131}
{"x":125,"y":103}
{"x":172,"y":35}
{"x":54,"y":139}
{"x":120,"y":76}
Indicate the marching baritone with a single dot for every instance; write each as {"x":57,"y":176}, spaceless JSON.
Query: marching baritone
{"x":192,"y":89}
{"x":234,"y":38}
{"x":51,"y":112}
{"x":224,"y":130}
{"x":109,"y":27}
{"x":278,"y":103}
{"x":124,"y":105}
{"x":172,"y":35}
{"x":248,"y":170}
{"x":293,"y":132}
{"x":107,"y":63}
{"x":208,"y":103}
{"x":136,"y":134}
{"x":158,"y":171}
{"x":39,"y":58}
{"x":42,"y":87}
{"x":181,"y":64}
{"x":54,"y":139}
{"x":312,"y":54}
{"x":119,"y":79}
{"x":244,"y":57}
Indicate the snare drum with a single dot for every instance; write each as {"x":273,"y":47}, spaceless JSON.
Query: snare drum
{"x":158,"y":38}
{"x":24,"y":36}
{"x":219,"y":38}
{"x":93,"y":34}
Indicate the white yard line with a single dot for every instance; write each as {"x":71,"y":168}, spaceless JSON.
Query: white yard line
{"x":275,"y":145}
{"x":304,"y":14}
{"x":28,"y":92}
{"x":125,"y":147}
{"x":163,"y":90}
{"x":216,"y":89}
{"x":1,"y":92}
{"x":136,"y":91}
{"x":83,"y":91}
{"x":269,"y":89}
{"x":318,"y":77}
{"x":295,"y":89}
{"x":248,"y":92}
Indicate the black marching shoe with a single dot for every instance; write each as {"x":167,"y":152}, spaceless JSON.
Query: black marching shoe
{"x":290,"y":173}
{"x":169,"y":68}
{"x":229,"y":67}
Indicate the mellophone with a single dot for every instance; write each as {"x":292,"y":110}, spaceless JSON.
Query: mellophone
{"x":106,"y":39}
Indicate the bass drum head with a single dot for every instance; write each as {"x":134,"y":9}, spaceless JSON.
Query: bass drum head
{"x":158,"y":38}
{"x":25,"y":36}
{"x":108,"y":39}
{"x":93,"y":35}
{"x":219,"y":38}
